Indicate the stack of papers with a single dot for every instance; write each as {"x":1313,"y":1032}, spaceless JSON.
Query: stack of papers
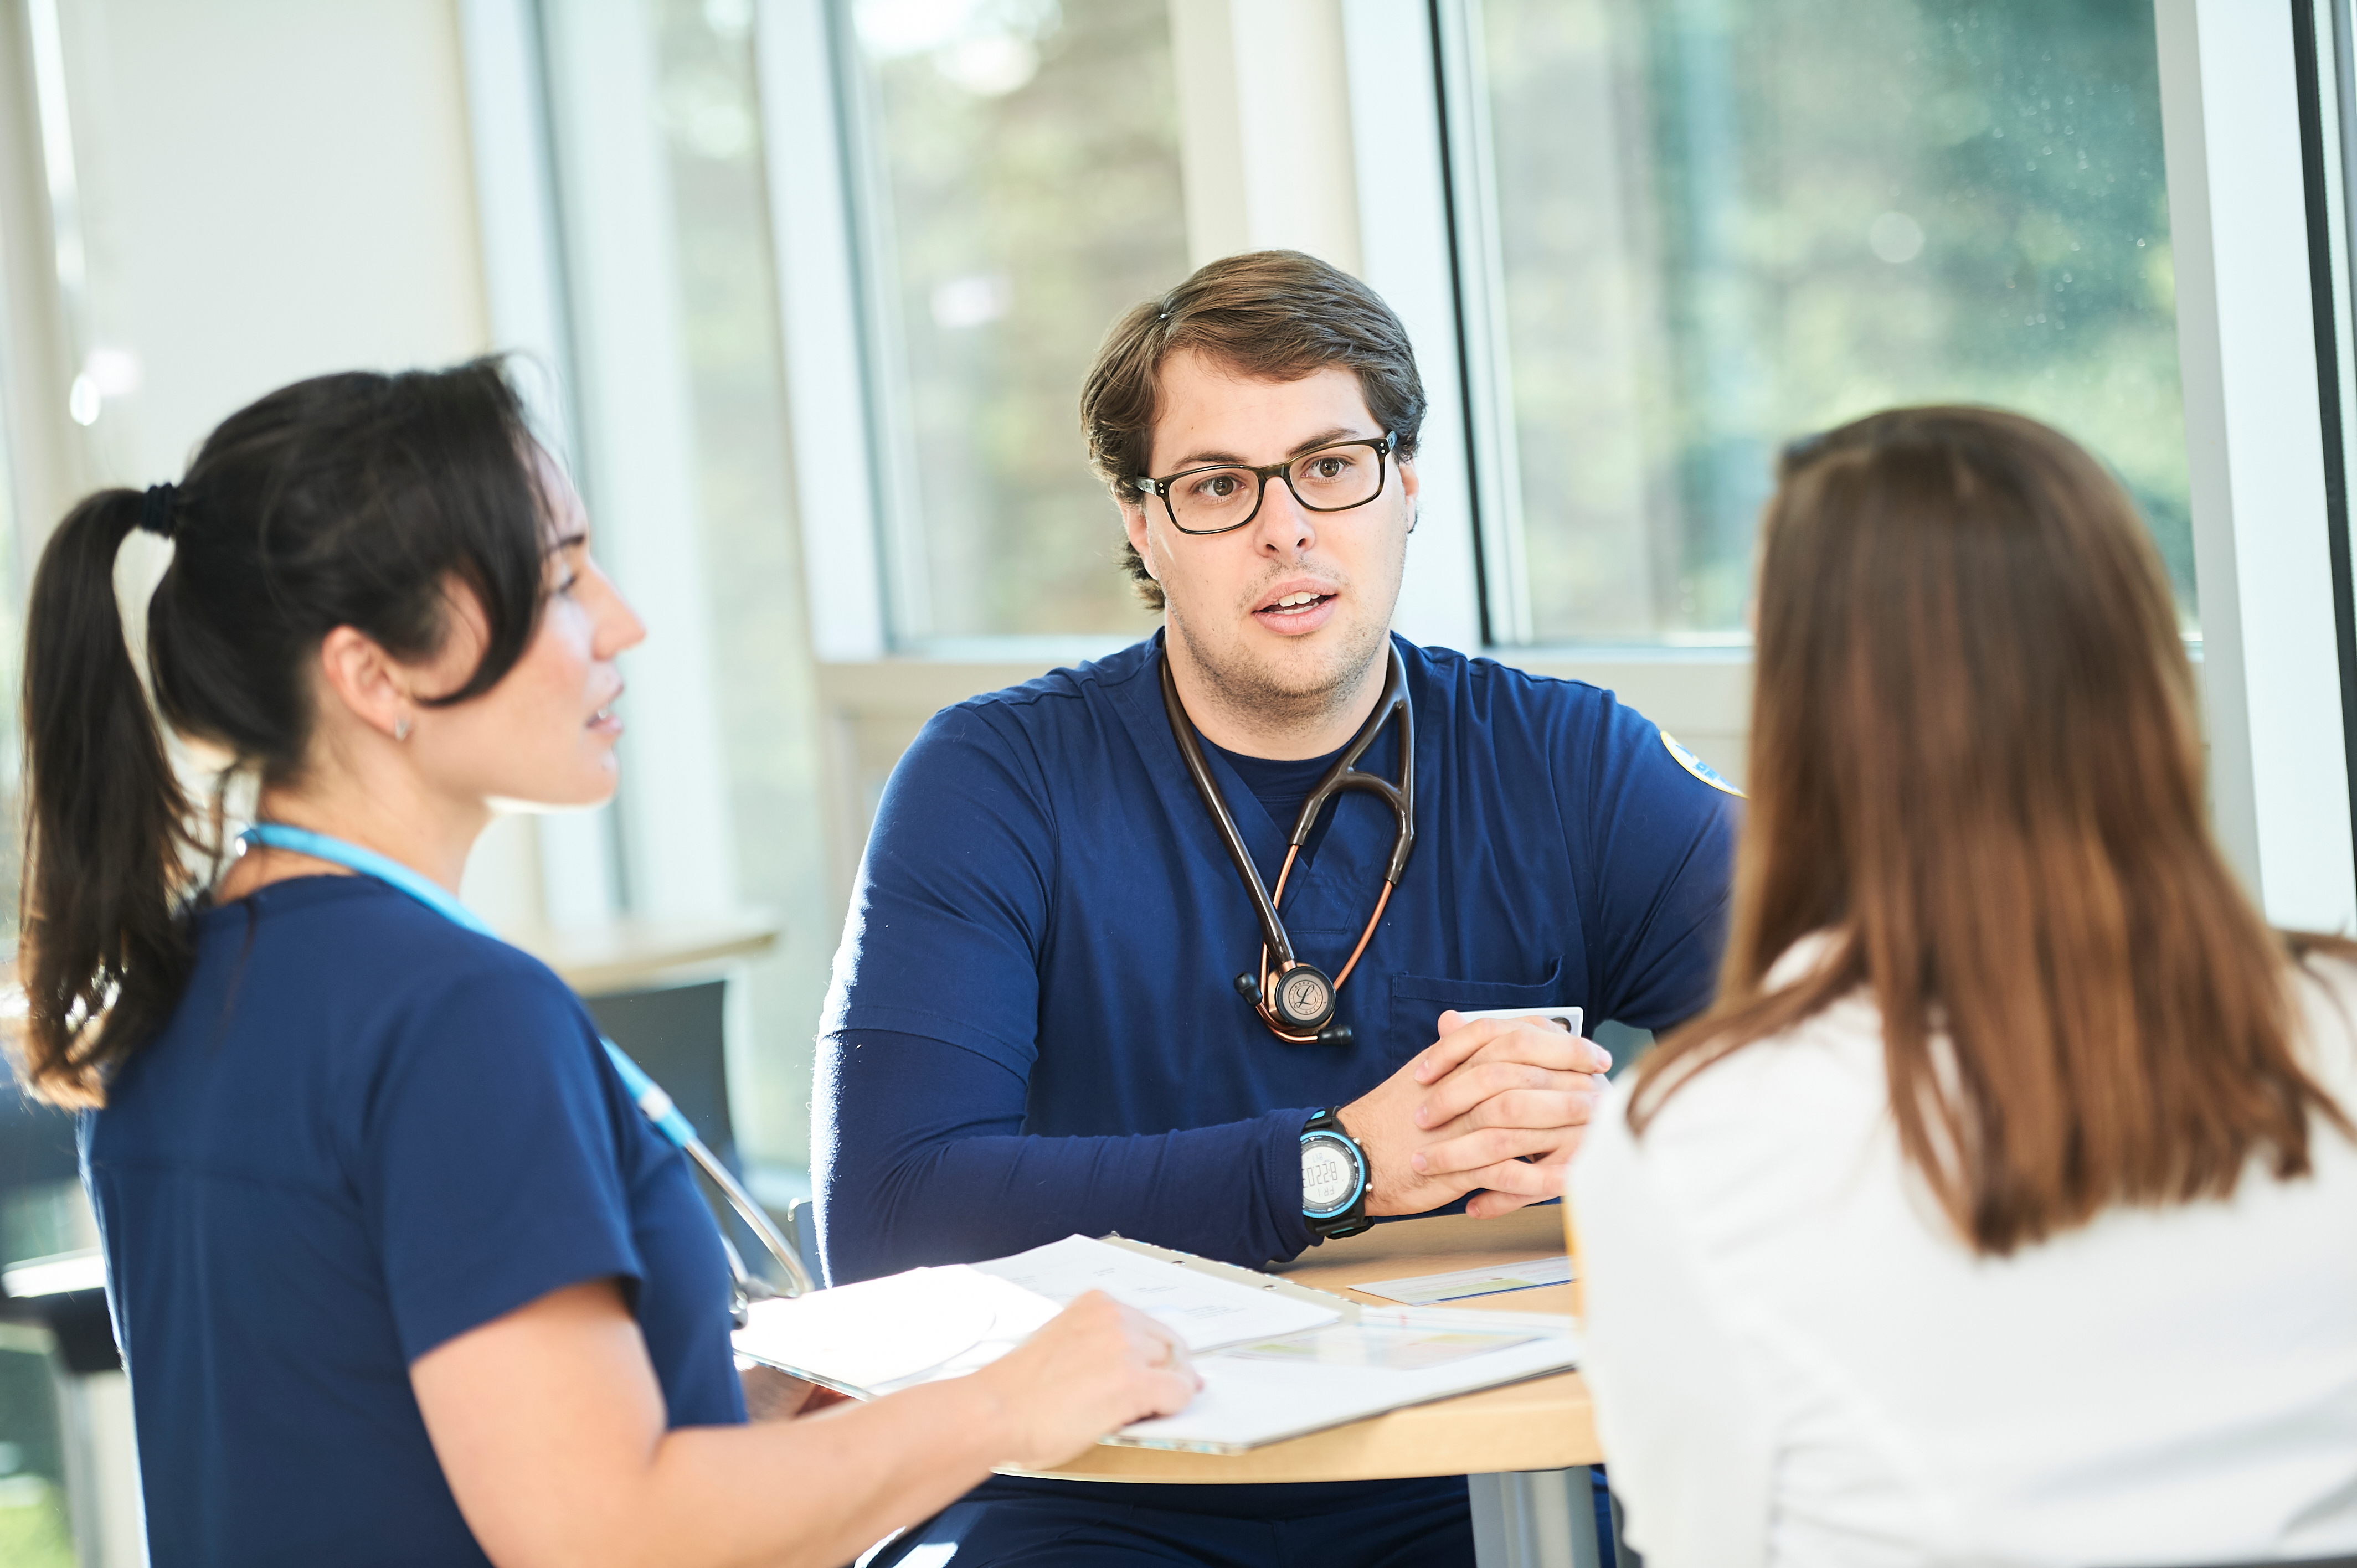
{"x":1277,"y":1360}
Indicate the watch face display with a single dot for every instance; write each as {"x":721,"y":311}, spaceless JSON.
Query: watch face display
{"x":1329,"y":1175}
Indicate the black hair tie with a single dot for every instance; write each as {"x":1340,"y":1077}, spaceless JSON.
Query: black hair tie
{"x":156,"y":514}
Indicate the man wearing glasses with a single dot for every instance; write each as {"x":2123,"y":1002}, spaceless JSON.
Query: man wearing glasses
{"x":1039,"y":1025}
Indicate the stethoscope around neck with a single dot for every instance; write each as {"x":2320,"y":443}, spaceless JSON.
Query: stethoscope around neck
{"x":1295,"y":998}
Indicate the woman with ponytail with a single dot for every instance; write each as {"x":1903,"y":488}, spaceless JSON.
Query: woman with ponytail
{"x":399,"y":1271}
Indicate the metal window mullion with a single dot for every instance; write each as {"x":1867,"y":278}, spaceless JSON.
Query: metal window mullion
{"x":1398,"y":154}
{"x":806,"y":170}
{"x":635,"y":400}
{"x":2332,"y":80}
{"x":2248,"y":351}
{"x":584,"y":863}
{"x":900,"y":500}
{"x":1487,"y":368}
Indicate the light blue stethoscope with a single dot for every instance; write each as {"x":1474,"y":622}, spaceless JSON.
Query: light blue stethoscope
{"x":644,"y":1091}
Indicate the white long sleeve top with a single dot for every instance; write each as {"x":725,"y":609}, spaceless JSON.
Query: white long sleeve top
{"x":1795,"y":1360}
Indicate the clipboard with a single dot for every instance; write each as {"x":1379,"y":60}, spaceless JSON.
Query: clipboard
{"x":1279,"y":1359}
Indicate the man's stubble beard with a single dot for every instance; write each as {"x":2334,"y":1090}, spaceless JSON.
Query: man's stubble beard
{"x":1256,"y":694}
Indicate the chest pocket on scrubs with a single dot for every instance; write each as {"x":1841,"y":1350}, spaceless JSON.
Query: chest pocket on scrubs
{"x":1418,"y":1001}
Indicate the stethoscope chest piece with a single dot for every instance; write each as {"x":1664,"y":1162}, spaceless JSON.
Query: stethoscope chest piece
{"x":1301,"y":998}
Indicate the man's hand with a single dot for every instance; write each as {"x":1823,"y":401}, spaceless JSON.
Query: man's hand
{"x":1468,"y":1111}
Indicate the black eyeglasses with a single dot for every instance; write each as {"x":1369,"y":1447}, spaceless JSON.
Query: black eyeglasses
{"x":1219,"y":499}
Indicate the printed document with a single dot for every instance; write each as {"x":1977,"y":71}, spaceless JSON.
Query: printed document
{"x":1277,"y":1360}
{"x":1423,"y":1290}
{"x":1202,"y":1311}
{"x":1250,"y":1397}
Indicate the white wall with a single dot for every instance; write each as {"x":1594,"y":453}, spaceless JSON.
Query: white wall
{"x":270,"y":189}
{"x":264,"y":190}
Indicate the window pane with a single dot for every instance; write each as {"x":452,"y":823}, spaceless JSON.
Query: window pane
{"x":1723,"y":223}
{"x":676,"y":333}
{"x":1021,"y":190}
{"x":708,"y":107}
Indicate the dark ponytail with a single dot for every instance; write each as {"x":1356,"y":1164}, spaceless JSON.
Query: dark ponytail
{"x":106,"y":820}
{"x":356,"y":500}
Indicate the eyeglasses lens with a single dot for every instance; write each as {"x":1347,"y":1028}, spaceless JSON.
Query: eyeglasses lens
{"x":1332,"y":478}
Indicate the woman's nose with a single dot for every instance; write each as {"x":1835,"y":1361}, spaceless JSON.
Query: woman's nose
{"x":618,"y":626}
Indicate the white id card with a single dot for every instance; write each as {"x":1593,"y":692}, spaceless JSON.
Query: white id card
{"x":1569,"y":1017}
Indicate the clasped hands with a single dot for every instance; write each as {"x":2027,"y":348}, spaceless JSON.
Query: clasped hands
{"x":1494,"y":1107}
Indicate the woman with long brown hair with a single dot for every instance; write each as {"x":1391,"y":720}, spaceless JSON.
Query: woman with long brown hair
{"x":2003,"y":1207}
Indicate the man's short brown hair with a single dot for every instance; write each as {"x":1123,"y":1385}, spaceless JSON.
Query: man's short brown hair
{"x":1276,"y":316}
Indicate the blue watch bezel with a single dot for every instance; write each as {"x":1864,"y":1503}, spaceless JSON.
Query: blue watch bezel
{"x":1358,"y":1163}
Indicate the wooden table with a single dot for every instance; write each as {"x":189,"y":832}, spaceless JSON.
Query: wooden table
{"x":1542,"y":1425}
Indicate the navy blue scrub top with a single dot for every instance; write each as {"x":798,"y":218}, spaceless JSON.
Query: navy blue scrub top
{"x":364,"y":1131}
{"x":1034,"y":1029}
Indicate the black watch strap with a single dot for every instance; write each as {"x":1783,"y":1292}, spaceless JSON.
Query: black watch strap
{"x":1325,"y":1126}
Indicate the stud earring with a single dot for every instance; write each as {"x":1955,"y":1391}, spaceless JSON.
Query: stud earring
{"x":401,"y":727}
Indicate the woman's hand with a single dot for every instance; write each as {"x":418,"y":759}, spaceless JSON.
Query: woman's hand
{"x":1096,"y":1367}
{"x":549,"y":1425}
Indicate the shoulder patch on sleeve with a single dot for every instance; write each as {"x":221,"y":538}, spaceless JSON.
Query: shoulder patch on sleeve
{"x":1697,"y":766}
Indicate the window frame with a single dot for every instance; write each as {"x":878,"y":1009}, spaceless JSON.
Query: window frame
{"x":805,"y":142}
{"x":580,"y":853}
{"x":1409,"y":128}
{"x":1413,"y":247}
{"x":2254,"y":370}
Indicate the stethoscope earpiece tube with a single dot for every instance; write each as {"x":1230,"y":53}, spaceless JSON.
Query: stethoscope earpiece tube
{"x":1297,"y":1001}
{"x":658,"y":1108}
{"x":1190,"y":749}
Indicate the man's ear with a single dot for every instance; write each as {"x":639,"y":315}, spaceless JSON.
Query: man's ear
{"x":1409,"y":483}
{"x":1133,"y":521}
{"x":355,"y":672}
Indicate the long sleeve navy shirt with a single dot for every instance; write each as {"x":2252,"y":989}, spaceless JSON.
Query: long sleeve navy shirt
{"x":1034,"y":1030}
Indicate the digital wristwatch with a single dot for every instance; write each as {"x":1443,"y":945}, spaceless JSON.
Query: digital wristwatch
{"x":1333,"y":1178}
